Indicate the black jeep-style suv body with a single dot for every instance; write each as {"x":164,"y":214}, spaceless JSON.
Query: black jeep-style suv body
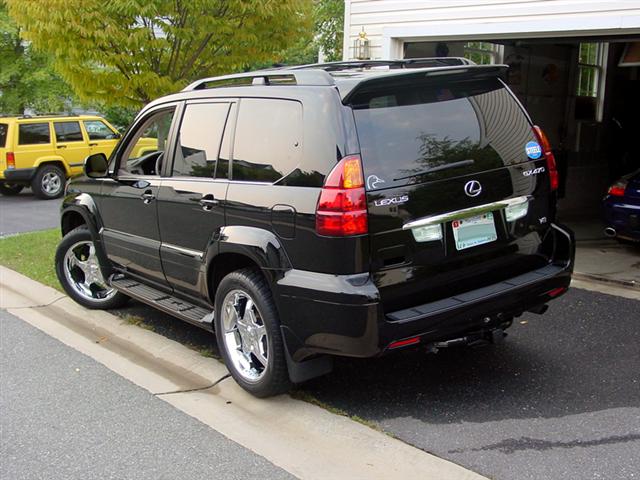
{"x":335,"y":209}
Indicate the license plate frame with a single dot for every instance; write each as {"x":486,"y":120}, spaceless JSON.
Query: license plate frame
{"x":473,"y":231}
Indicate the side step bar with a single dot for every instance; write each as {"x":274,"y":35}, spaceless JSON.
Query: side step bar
{"x":177,"y":307}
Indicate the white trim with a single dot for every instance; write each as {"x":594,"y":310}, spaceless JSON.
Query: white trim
{"x":346,"y":39}
{"x":554,"y":27}
{"x":603,"y":58}
{"x":566,"y":27}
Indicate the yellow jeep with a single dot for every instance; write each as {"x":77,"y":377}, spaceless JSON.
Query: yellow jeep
{"x":43,"y":151}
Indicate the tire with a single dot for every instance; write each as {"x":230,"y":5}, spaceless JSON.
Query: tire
{"x":79,"y":273}
{"x":48,"y":182}
{"x":253,"y":353}
{"x":10,"y":189}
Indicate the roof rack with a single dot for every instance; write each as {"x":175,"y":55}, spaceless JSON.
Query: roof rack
{"x":40,"y":115}
{"x":265,"y":77}
{"x":425,"y":62}
{"x":317,"y":74}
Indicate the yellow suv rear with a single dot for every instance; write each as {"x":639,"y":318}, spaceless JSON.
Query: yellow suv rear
{"x":42,"y":152}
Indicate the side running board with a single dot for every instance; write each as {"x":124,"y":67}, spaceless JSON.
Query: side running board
{"x":177,"y":307}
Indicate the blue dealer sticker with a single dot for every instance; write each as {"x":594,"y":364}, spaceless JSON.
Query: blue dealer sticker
{"x":533,"y":150}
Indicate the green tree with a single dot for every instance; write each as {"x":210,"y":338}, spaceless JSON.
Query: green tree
{"x":27,"y":77}
{"x":329,"y":27}
{"x":127,"y":52}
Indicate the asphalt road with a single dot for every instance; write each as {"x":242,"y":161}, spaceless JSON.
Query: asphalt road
{"x":559,"y":399}
{"x":25,"y":213}
{"x":65,"y":416}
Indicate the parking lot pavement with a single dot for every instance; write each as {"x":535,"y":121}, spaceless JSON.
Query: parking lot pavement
{"x":66,"y":416}
{"x":559,"y":399}
{"x":26,"y":213}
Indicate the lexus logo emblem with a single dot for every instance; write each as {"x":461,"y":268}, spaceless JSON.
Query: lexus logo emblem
{"x":472,"y":188}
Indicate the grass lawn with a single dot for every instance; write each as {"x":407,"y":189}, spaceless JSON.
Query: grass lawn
{"x":32,"y":255}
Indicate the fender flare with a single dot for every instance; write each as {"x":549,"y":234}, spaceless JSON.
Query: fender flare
{"x":84,"y":205}
{"x":261,"y":246}
{"x":56,"y":159}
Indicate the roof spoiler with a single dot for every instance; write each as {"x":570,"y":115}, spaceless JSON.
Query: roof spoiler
{"x":405,"y":77}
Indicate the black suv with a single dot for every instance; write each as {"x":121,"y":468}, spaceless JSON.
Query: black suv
{"x":348,"y":208}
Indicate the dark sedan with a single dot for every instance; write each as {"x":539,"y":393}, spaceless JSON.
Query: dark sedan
{"x":622,"y":208}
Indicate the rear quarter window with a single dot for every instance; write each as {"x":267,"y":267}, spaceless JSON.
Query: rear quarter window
{"x":34,"y":134}
{"x":268,"y":140}
{"x":4,"y":128}
{"x":426,"y":133}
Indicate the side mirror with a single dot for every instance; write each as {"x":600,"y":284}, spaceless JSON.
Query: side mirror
{"x":96,"y":165}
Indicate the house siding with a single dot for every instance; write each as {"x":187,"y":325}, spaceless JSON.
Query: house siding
{"x":388,"y":23}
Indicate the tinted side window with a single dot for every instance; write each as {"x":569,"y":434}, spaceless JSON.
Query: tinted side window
{"x":3,"y":134}
{"x":68,"y":131}
{"x":199,"y":139}
{"x":33,"y":134}
{"x":268,"y":140}
{"x":97,"y":130}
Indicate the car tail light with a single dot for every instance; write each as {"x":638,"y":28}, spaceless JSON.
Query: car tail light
{"x":618,"y":188}
{"x":342,"y":206}
{"x":11,"y":160}
{"x":548,"y":154}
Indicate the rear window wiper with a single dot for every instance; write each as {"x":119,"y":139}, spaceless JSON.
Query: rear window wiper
{"x":461,"y":163}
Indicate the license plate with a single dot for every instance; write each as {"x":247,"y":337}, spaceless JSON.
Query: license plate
{"x":474,"y":231}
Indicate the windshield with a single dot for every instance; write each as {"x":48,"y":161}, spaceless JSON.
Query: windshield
{"x":426,"y":133}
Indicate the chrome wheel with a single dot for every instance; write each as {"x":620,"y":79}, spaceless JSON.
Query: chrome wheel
{"x":51,"y":183}
{"x":82,"y":271}
{"x":245,"y":335}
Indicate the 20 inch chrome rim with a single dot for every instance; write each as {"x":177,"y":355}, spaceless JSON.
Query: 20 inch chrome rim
{"x":245,"y":335}
{"x":82,"y":271}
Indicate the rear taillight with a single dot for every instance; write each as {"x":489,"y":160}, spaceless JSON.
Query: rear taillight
{"x":342,"y":206}
{"x":551,"y":159}
{"x":11,"y":160}
{"x":618,"y":188}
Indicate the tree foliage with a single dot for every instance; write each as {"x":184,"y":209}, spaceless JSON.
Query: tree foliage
{"x":329,"y":26}
{"x":27,"y":77}
{"x":127,"y":52}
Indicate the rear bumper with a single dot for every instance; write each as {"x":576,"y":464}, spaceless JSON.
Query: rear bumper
{"x":343,"y":315}
{"x":18,"y":175}
{"x":623,"y":217}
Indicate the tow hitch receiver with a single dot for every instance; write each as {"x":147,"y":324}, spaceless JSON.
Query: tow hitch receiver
{"x":475,"y":339}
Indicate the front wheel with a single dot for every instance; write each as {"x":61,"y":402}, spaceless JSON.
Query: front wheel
{"x":248,"y":334}
{"x":79,"y":273}
{"x":48,"y":182}
{"x":10,"y":189}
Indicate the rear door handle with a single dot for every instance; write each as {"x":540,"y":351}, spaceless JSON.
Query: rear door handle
{"x":62,"y":146}
{"x":147,"y":197}
{"x":93,"y":144}
{"x":208,"y":202}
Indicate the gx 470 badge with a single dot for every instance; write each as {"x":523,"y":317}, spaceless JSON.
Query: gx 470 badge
{"x":535,"y":171}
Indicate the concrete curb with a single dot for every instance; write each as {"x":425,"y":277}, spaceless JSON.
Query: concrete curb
{"x":590,"y":277}
{"x":306,"y":440}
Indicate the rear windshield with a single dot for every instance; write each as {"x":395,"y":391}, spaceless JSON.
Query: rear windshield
{"x":3,"y":134}
{"x":424,"y":133}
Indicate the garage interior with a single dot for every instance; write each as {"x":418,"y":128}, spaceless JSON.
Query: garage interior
{"x":585,"y":94}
